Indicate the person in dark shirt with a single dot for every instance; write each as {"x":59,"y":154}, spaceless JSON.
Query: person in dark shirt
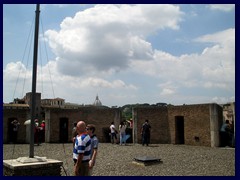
{"x":225,"y":134}
{"x":145,"y":131}
{"x":15,"y":126}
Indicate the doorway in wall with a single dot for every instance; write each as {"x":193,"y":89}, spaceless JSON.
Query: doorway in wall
{"x":179,"y":129}
{"x":63,"y":133}
{"x":10,"y":130}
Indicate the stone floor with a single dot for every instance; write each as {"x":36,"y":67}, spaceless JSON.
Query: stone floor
{"x":116,"y":160}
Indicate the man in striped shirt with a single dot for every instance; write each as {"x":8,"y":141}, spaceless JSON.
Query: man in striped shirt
{"x":82,"y":151}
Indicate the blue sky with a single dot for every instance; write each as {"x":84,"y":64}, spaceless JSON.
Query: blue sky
{"x":127,"y":54}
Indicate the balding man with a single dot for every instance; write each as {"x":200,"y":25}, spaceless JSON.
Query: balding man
{"x":82,"y":151}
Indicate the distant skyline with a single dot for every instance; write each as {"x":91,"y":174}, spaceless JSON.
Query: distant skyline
{"x":125,"y":54}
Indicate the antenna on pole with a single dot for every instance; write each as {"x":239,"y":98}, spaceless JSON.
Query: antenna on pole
{"x":34,"y":79}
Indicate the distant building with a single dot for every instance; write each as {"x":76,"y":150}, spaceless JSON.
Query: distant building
{"x":19,"y":101}
{"x":229,"y":112}
{"x":97,"y":102}
{"x":46,"y":102}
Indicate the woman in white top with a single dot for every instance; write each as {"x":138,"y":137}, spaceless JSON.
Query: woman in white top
{"x":122,"y":133}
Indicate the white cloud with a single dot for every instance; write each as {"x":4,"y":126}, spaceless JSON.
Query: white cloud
{"x":222,"y":7}
{"x":213,"y":68}
{"x":222,"y":100}
{"x":105,"y":38}
{"x":104,"y":50}
{"x":215,"y":65}
{"x":221,"y":37}
{"x":167,"y":92}
{"x":97,"y":82}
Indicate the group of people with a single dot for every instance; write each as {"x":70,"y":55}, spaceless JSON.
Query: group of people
{"x":85,"y":145}
{"x":145,"y":133}
{"x":122,"y":133}
{"x":39,"y":131}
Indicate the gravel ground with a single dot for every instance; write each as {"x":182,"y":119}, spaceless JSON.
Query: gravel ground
{"x":116,"y":160}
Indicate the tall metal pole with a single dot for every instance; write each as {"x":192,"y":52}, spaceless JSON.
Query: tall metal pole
{"x":34,"y":79}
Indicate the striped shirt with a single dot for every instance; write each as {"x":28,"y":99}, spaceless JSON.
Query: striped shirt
{"x":94,"y":143}
{"x":82,"y":145}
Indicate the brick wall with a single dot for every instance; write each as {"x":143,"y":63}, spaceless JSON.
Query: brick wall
{"x":158,"y":119}
{"x":196,"y":123}
{"x":100,"y":117}
{"x":21,"y":114}
{"x":201,"y":124}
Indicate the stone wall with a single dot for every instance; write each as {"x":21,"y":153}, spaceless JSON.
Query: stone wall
{"x":187,"y":124}
{"x":158,"y":119}
{"x":49,"y":168}
{"x":216,"y":117}
{"x":196,"y":124}
{"x":11,"y":113}
{"x":200,"y":124}
{"x":100,"y":117}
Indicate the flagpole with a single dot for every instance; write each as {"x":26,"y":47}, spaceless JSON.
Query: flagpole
{"x":34,"y":79}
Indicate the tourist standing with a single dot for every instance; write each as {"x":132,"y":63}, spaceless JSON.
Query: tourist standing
{"x":82,"y":151}
{"x":42,"y":131}
{"x":113,"y":133}
{"x":37,"y":132}
{"x":94,"y":146}
{"x":15,"y":127}
{"x":74,"y":132}
{"x":145,"y":131}
{"x":122,"y":133}
{"x":225,"y":134}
